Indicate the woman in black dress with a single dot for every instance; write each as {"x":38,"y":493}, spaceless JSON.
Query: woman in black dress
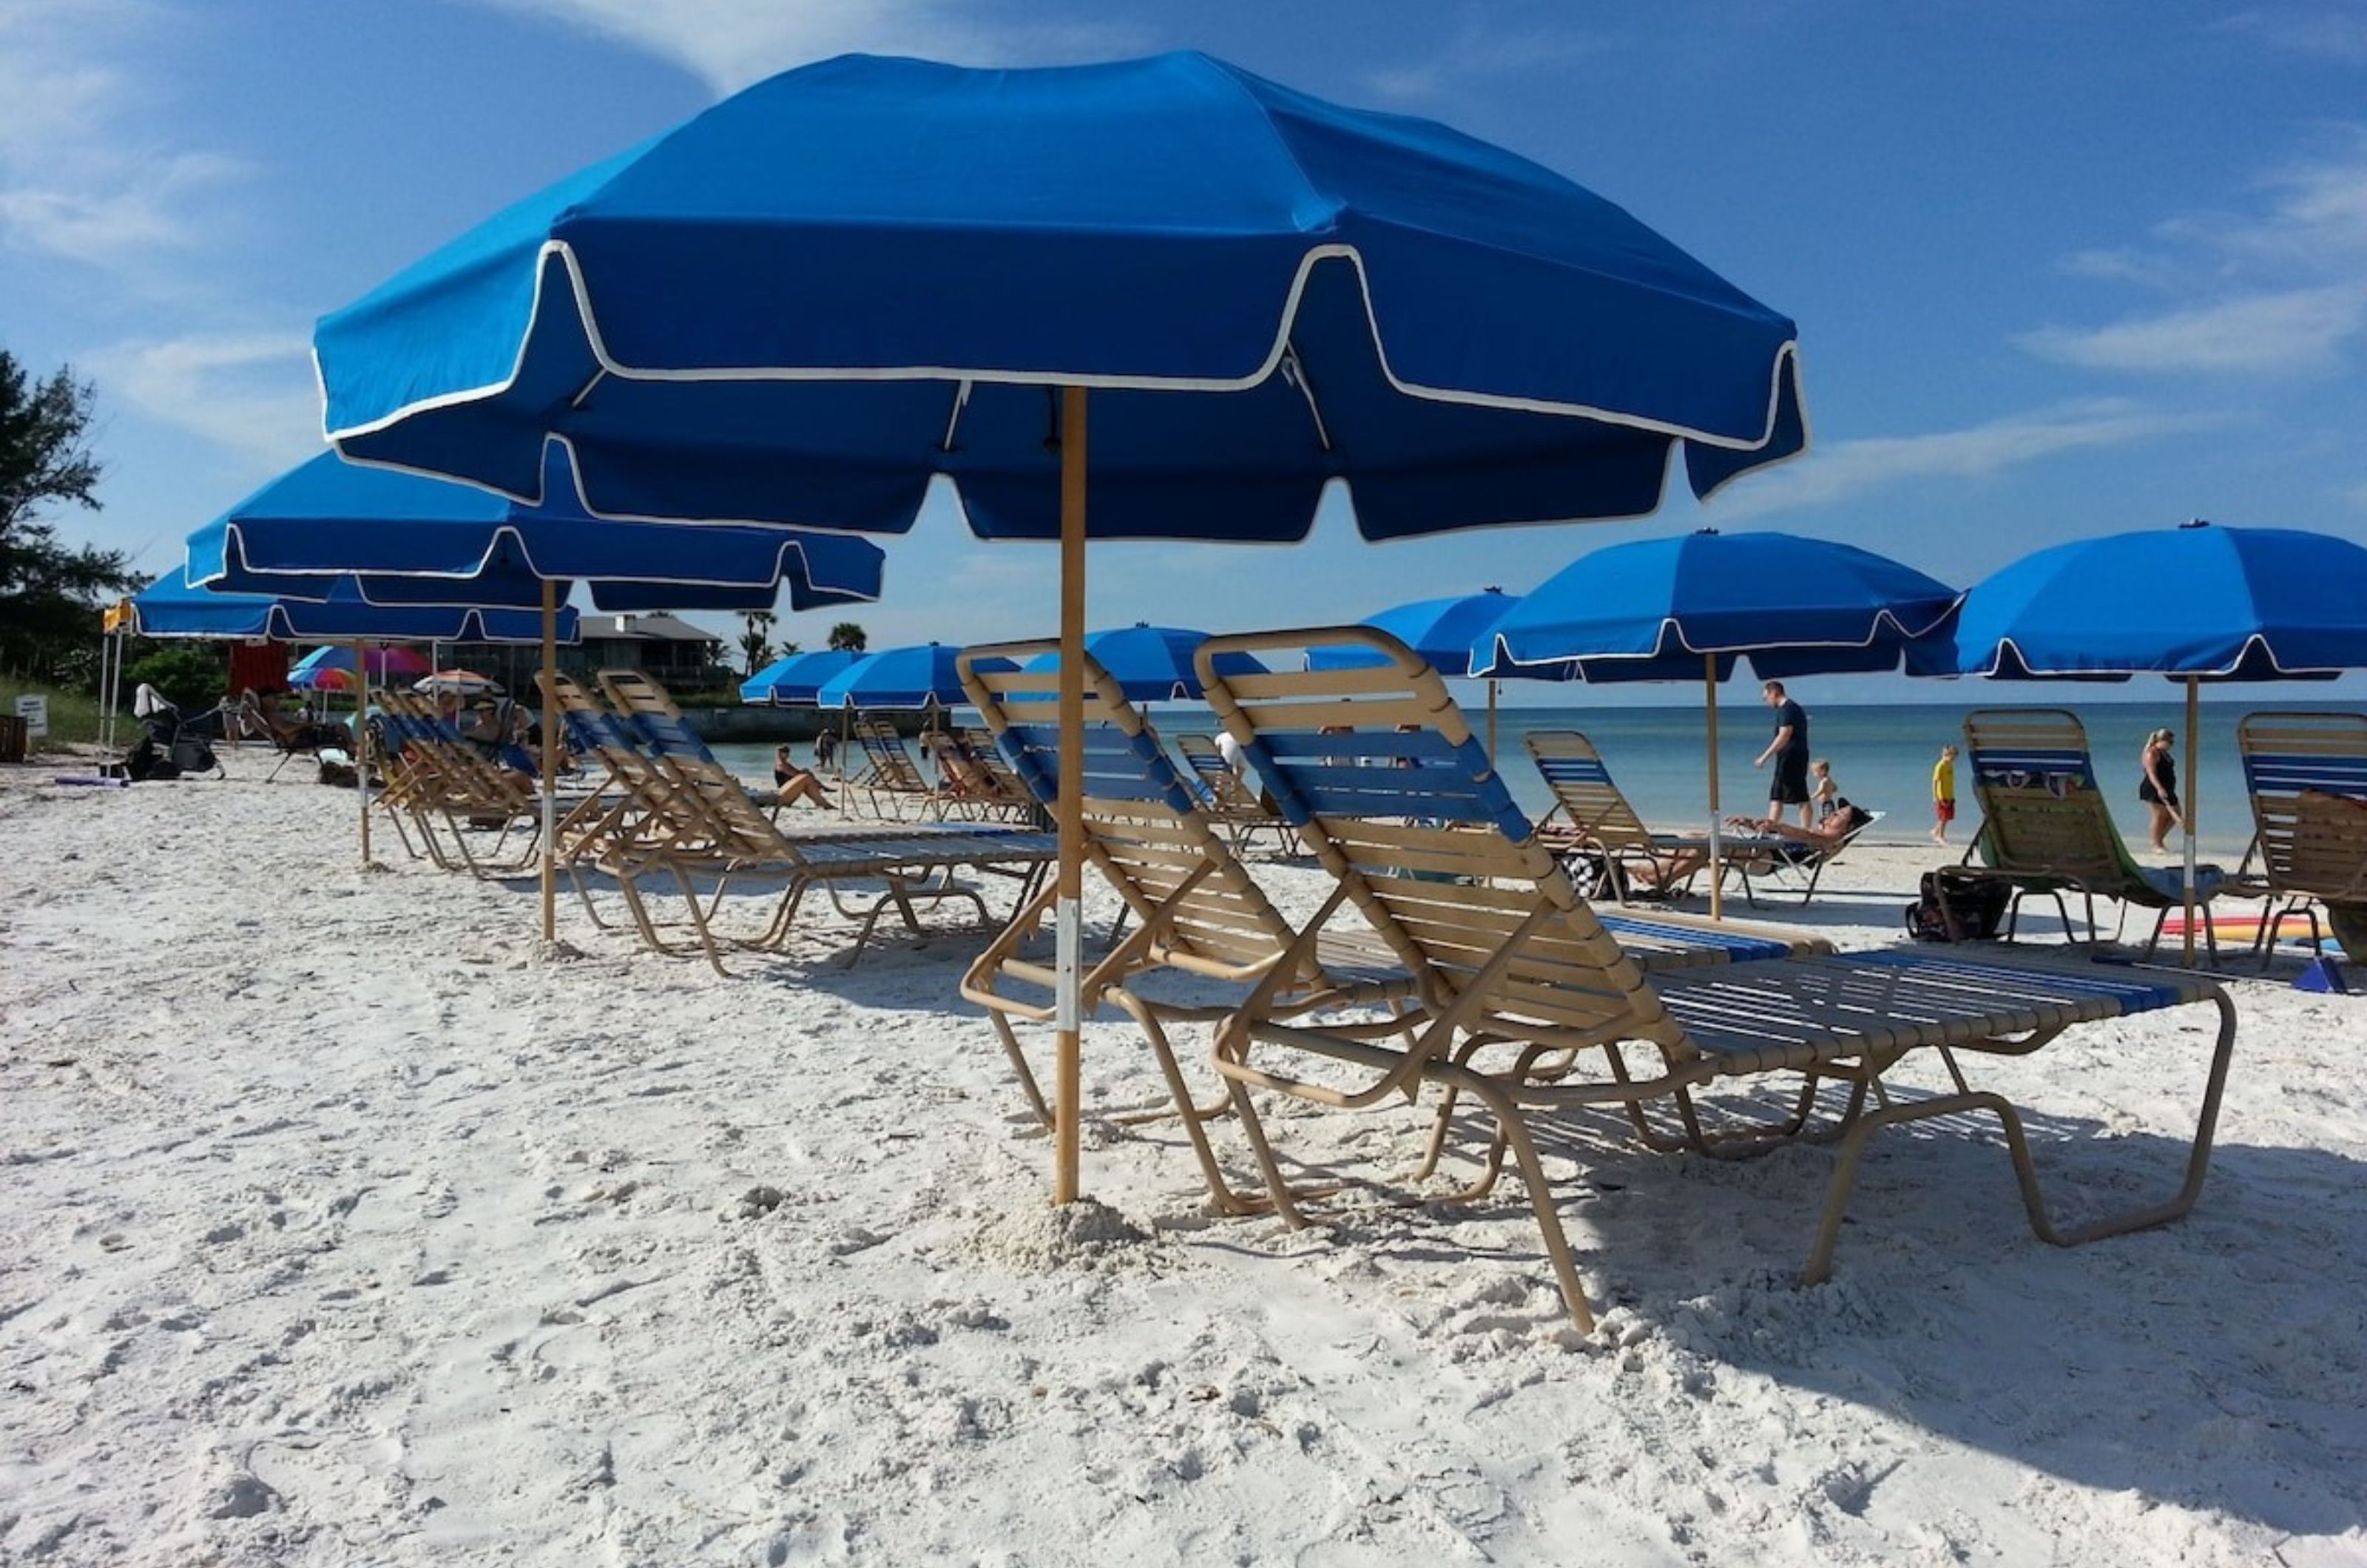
{"x":2158,"y":786}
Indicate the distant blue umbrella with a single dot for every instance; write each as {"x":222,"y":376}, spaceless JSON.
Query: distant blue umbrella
{"x":917,"y":677}
{"x":796,"y":678}
{"x":811,"y":298}
{"x":2196,"y":603}
{"x":1152,"y":664}
{"x":1687,"y":608}
{"x":411,"y":540}
{"x":175,"y":607}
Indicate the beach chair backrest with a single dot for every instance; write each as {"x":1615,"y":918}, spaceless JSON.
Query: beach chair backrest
{"x":1223,"y":788}
{"x":654,"y":720}
{"x":1144,"y":830}
{"x":1376,"y":769}
{"x":1583,"y":790}
{"x":893,"y":767}
{"x":2040,"y":810}
{"x":2306,"y":774}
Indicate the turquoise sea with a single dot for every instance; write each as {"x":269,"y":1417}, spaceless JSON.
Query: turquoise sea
{"x":1881,"y":756}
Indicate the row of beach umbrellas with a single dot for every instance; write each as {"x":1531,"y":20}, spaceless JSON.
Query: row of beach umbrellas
{"x":803,"y":304}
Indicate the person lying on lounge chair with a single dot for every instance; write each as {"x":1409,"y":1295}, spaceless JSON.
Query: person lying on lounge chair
{"x":1825,"y":836}
{"x":795,"y":782}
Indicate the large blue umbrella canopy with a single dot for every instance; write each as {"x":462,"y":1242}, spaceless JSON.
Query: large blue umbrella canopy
{"x":1152,"y":664}
{"x":2201,"y":601}
{"x":796,"y":677}
{"x":2197,"y":602}
{"x":175,"y":607}
{"x":1443,"y":631}
{"x":1660,"y":609}
{"x":917,"y":677}
{"x":802,"y":304}
{"x":415,"y":540}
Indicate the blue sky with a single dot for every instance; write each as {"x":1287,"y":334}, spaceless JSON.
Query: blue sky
{"x":2057,"y":270}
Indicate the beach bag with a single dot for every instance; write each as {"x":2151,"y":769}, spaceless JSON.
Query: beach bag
{"x":143,"y":761}
{"x":339,"y":775}
{"x":1958,"y":907}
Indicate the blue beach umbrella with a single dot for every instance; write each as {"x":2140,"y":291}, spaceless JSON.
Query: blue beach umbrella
{"x":921,"y":676}
{"x":2196,"y":603}
{"x":410,"y":540}
{"x":795,"y":678}
{"x":1152,"y":664}
{"x":804,"y":303}
{"x":1689,"y":607}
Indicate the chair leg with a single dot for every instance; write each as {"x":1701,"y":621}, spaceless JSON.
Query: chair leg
{"x":1515,"y":1134}
{"x":2197,"y":1161}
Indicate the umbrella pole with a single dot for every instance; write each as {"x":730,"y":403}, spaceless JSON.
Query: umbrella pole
{"x":1069,"y":886}
{"x":361,"y":738}
{"x":1716,"y":870}
{"x":1492,"y":722}
{"x":550,"y":759}
{"x":2193,"y":716}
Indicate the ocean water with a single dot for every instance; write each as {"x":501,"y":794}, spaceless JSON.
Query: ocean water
{"x":1881,"y":757}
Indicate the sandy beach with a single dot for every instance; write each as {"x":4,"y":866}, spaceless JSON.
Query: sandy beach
{"x":348,"y":1224}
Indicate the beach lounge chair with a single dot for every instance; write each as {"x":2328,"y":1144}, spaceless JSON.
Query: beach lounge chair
{"x":1528,"y":1003}
{"x":436,"y":779}
{"x":694,"y":819}
{"x":2046,"y":827}
{"x":1600,"y":837}
{"x":1193,"y":907}
{"x":257,"y":716}
{"x":979,"y":784}
{"x":892,"y":781}
{"x":2306,"y":774}
{"x":1228,"y":798}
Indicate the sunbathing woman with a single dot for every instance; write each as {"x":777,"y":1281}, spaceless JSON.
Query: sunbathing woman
{"x":1829,"y":834}
{"x":795,"y":782}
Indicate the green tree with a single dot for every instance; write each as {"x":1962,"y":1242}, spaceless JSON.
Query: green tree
{"x":49,"y":592}
{"x":847,"y":636}
{"x":755,"y":639}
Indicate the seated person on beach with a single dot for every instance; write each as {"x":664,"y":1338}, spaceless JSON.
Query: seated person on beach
{"x":795,"y":782}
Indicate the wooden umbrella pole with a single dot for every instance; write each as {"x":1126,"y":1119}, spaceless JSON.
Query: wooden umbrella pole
{"x":2193,"y":722}
{"x":1716,"y":870}
{"x":1491,"y":721}
{"x":361,"y":738}
{"x":550,"y":759}
{"x":1069,"y":886}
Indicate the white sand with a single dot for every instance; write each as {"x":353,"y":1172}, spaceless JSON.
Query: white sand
{"x":345,"y":1225}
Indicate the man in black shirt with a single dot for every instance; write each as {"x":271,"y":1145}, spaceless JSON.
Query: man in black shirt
{"x":1790,"y":750}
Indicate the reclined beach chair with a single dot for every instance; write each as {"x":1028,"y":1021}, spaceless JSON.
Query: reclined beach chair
{"x":1529,"y":1004}
{"x":436,"y":778}
{"x":979,"y":784}
{"x":1228,"y":798}
{"x":2306,"y":774}
{"x":1788,"y":863}
{"x":1598,"y":833}
{"x":1193,"y":907}
{"x":259,"y":717}
{"x":2046,"y":828}
{"x":892,"y":781}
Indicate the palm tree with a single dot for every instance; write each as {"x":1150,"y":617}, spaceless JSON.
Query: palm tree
{"x":848,"y":637}
{"x":754,"y":645}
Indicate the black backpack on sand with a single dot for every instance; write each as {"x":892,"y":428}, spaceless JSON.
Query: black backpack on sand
{"x":1958,"y":906}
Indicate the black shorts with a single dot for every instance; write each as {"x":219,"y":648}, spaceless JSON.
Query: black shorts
{"x":1791,"y":783}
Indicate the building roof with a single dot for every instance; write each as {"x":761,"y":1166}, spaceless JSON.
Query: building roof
{"x":643,"y":628}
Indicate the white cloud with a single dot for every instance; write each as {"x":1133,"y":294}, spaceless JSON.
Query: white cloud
{"x":82,"y":176}
{"x":251,"y":393}
{"x":2328,"y":33}
{"x":1477,"y":52}
{"x":729,"y":44}
{"x":1842,"y":470}
{"x":2298,"y":329}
